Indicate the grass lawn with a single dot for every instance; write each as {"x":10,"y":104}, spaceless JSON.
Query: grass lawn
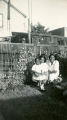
{"x":28,"y":103}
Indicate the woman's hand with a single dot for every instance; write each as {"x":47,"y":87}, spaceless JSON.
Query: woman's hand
{"x":36,"y":74}
{"x":53,"y":71}
{"x":44,"y":73}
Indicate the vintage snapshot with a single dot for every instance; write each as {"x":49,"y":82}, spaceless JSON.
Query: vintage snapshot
{"x":33,"y":59}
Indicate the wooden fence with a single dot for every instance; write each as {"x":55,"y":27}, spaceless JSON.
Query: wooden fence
{"x":9,"y":52}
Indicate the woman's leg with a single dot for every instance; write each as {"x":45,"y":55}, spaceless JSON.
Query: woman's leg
{"x":41,"y":85}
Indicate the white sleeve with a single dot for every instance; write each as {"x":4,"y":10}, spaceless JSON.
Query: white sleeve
{"x":45,"y":67}
{"x":33,"y":68}
{"x":57,"y":66}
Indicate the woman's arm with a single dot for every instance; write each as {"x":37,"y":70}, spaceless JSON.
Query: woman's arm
{"x":53,"y":71}
{"x":35,"y":73}
{"x":44,"y":73}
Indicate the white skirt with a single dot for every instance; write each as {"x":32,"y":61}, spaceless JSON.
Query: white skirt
{"x":40,"y":78}
{"x":53,"y":76}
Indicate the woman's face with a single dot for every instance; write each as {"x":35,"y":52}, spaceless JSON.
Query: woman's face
{"x":52,"y":58}
{"x":42,"y":60}
{"x":37,"y":61}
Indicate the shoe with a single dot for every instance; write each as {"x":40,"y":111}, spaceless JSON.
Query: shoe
{"x":38,"y":84}
{"x":59,"y":87}
{"x":42,"y":87}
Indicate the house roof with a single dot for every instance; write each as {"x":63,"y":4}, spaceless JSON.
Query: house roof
{"x":12,"y":6}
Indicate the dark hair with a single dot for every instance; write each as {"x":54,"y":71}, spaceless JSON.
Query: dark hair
{"x":29,"y":54}
{"x":51,"y":55}
{"x":43,"y":56}
{"x":37,"y":58}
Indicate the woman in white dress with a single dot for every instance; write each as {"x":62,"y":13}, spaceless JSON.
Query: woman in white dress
{"x":36,"y":70}
{"x":53,"y":68}
{"x":44,"y":72}
{"x":40,"y":72}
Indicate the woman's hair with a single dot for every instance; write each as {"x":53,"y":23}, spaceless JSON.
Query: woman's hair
{"x":51,"y":55}
{"x":29,"y":54}
{"x":43,"y":56}
{"x":37,"y":58}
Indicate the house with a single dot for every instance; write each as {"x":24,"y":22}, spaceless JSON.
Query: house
{"x":11,"y":19}
{"x":60,"y":32}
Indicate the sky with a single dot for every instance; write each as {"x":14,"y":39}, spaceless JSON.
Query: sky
{"x":50,"y":13}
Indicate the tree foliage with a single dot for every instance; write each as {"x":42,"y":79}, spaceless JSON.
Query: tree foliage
{"x":39,"y":29}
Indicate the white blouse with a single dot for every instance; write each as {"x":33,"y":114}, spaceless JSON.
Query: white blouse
{"x":53,"y":67}
{"x":42,"y":69}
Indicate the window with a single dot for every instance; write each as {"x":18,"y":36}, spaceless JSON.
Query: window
{"x":1,"y":20}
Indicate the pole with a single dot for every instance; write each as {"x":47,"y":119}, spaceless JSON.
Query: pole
{"x":29,"y":25}
{"x":31,"y":20}
{"x":8,"y":16}
{"x":9,"y":10}
{"x":31,"y":11}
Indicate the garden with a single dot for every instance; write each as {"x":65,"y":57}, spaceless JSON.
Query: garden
{"x":21,"y":100}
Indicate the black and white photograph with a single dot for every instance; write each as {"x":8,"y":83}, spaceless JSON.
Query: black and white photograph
{"x":33,"y":59}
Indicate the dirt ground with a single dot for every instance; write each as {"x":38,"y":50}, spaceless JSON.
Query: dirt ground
{"x":29,"y":103}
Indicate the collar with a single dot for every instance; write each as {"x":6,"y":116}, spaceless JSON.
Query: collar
{"x":52,"y":63}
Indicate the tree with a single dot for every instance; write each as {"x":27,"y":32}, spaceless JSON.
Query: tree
{"x":39,"y":29}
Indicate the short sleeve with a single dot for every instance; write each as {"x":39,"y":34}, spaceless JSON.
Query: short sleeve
{"x":33,"y":68}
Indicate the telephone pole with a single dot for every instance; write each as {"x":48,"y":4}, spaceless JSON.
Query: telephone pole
{"x":29,"y":20}
{"x":8,"y":16}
